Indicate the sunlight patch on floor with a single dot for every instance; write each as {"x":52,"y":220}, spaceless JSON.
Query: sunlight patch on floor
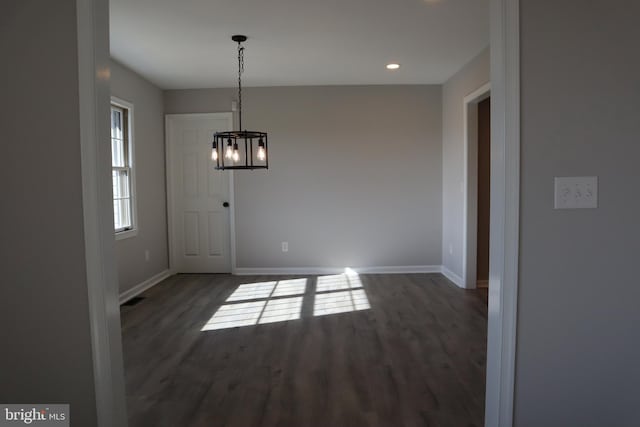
{"x":340,"y":302}
{"x":290,"y":287}
{"x":274,"y":304}
{"x":232,"y":315}
{"x":340,"y":293}
{"x":281,"y":301}
{"x":280,"y":310}
{"x":252,"y":291}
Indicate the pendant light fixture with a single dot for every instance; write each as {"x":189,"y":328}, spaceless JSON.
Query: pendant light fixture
{"x":240,"y":149}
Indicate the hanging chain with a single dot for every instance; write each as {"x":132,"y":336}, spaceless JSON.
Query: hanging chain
{"x":240,"y":71}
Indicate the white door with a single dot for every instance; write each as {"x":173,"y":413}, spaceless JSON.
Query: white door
{"x":198,"y":195}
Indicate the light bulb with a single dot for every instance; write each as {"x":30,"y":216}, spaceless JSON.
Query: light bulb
{"x":261,"y":153}
{"x":214,"y":154}
{"x":228,"y":152}
{"x":236,"y":155}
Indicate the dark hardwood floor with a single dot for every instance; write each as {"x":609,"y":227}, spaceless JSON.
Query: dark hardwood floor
{"x":416,"y":357}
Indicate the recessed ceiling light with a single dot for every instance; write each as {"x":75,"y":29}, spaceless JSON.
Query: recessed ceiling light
{"x":393,"y":66}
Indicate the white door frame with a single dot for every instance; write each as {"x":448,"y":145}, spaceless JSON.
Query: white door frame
{"x":93,"y":55}
{"x":505,"y":204}
{"x":169,"y":122}
{"x":94,"y":97}
{"x":470,"y":202}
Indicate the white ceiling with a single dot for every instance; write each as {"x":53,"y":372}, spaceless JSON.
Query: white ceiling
{"x":182,"y":44}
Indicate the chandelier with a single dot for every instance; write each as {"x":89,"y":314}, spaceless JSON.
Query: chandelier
{"x":240,"y":149}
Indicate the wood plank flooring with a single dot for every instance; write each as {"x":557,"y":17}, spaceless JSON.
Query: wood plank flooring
{"x":416,"y":357}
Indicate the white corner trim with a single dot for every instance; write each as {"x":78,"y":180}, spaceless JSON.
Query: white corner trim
{"x":457,"y":280}
{"x":505,"y":204}
{"x":478,"y":94}
{"x":337,"y":270}
{"x":92,"y":20}
{"x":143,"y":286}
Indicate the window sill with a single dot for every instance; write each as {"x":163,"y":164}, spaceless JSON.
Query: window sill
{"x":121,"y":235}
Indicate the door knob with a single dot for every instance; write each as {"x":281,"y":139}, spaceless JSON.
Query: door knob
{"x":225,"y":204}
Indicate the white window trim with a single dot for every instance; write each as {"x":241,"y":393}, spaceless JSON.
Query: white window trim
{"x":126,"y":234}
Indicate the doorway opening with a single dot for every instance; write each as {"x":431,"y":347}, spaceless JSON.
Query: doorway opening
{"x":484,"y":193}
{"x":100,"y":263}
{"x":477,"y":167}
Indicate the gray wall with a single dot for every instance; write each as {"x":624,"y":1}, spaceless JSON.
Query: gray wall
{"x":355,"y":174}
{"x":46,"y":344}
{"x":150,"y":180}
{"x":579,"y":294}
{"x":468,"y":79}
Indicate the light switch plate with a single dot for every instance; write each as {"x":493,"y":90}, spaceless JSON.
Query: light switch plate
{"x":576,"y":192}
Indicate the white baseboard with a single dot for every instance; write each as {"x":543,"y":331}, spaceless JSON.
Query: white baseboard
{"x":452,"y":276}
{"x":403,"y":269}
{"x":141,"y":287}
{"x":242,"y":271}
{"x":289,"y":271}
{"x":336,"y":270}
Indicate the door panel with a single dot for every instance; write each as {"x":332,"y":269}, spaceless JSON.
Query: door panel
{"x":216,"y":229}
{"x":190,"y":172}
{"x":200,"y":237}
{"x":191,"y":234}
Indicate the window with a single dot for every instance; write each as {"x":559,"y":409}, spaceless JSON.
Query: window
{"x":122,"y":169}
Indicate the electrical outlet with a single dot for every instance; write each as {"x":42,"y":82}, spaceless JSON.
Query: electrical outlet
{"x":285,"y":246}
{"x":147,"y":255}
{"x":576,"y":192}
